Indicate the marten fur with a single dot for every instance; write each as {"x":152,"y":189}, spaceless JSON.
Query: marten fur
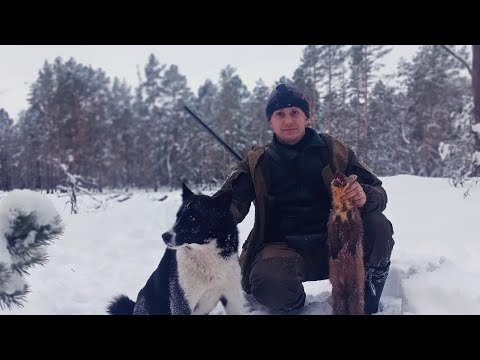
{"x":345,"y":240}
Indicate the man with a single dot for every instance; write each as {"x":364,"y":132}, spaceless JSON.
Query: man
{"x":289,"y":182}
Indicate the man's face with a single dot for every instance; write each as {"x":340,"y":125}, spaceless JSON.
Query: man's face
{"x":289,"y":124}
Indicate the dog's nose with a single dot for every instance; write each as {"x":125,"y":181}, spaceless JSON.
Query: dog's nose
{"x":167,"y":237}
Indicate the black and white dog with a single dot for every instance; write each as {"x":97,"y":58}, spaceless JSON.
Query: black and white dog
{"x":200,"y":265}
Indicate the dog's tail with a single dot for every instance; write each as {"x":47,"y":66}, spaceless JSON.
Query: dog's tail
{"x":121,"y":305}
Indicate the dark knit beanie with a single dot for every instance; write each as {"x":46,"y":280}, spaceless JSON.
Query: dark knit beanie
{"x":286,"y":96}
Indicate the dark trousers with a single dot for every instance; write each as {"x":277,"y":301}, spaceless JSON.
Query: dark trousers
{"x":280,"y":267}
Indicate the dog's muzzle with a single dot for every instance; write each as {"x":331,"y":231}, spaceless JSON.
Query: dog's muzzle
{"x":168,"y":238}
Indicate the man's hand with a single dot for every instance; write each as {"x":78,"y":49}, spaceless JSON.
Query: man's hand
{"x":355,"y":193}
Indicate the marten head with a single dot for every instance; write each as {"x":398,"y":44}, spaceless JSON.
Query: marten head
{"x":341,"y":181}
{"x":339,"y":185}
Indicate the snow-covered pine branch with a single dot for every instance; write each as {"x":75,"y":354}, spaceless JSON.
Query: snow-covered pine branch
{"x":28,"y":224}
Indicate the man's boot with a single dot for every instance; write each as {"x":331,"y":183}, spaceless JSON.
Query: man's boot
{"x":374,"y":283}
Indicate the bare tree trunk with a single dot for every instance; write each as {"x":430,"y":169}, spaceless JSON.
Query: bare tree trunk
{"x":365,"y":116}
{"x":78,"y":138}
{"x":365,"y":104}
{"x":313,"y":112}
{"x":329,"y":103}
{"x":476,"y":108}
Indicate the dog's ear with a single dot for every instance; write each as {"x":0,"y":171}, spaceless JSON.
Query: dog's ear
{"x":224,"y":199}
{"x":186,"y":192}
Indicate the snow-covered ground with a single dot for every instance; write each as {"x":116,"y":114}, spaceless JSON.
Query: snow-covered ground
{"x":112,"y":247}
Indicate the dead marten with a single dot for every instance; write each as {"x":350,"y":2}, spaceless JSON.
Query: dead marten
{"x":345,"y":237}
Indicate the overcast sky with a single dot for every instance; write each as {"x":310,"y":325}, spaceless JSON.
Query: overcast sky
{"x":19,"y":64}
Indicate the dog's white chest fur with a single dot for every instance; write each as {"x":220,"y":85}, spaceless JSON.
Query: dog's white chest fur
{"x":206,"y":277}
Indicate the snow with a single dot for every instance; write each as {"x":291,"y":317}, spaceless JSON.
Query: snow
{"x":445,"y":150}
{"x":476,"y":128}
{"x":16,"y":282}
{"x":28,"y":202}
{"x":476,"y":158}
{"x":111,"y":249}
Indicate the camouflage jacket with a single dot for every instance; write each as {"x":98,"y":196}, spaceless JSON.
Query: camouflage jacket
{"x":249,"y":183}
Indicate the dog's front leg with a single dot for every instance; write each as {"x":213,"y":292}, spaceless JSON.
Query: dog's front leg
{"x":232,"y":301}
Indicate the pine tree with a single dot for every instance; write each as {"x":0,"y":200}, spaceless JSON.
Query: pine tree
{"x":454,"y":152}
{"x":122,"y":134}
{"x":28,"y":224}
{"x":151,"y":138}
{"x":476,"y":109}
{"x":307,"y":77}
{"x":330,"y":65}
{"x":436,"y":91}
{"x":232,"y":96}
{"x":364,"y":65}
{"x":207,"y":149}
{"x":178,"y":157}
{"x":256,"y":121}
{"x":5,"y":150}
{"x":470,"y":167}
{"x":385,"y":112}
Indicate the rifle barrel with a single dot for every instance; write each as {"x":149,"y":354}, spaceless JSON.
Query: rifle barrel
{"x":238,"y":157}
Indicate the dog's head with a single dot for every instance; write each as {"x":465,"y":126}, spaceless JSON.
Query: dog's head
{"x":199,"y":218}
